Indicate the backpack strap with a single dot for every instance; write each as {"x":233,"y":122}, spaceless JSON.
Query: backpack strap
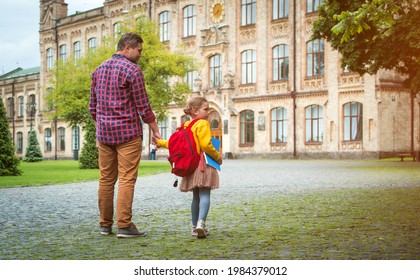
{"x":191,"y":123}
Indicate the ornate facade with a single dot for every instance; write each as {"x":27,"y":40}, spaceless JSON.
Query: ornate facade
{"x":273,"y":92}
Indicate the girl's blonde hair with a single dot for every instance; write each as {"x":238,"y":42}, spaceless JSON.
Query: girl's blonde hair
{"x":194,"y":103}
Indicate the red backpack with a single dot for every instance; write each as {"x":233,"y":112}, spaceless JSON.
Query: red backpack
{"x":183,"y":154}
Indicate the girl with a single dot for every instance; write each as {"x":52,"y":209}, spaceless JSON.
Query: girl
{"x":205,"y":177}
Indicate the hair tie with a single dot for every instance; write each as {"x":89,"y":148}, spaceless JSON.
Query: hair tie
{"x":187,"y":107}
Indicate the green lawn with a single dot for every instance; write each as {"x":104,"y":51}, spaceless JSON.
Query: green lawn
{"x":67,"y":171}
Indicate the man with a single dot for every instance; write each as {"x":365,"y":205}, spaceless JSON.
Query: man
{"x":118,"y":100}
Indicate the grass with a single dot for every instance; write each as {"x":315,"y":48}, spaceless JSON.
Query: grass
{"x":49,"y":172}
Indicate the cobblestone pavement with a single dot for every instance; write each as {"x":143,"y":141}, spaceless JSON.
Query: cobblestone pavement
{"x":45,"y":207}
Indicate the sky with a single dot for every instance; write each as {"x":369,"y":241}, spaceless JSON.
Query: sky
{"x":19,"y":27}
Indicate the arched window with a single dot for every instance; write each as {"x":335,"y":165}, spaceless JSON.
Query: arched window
{"x":189,"y":21}
{"x":279,"y":125}
{"x":353,"y":121}
{"x":315,"y":58}
{"x":77,"y":50}
{"x":163,"y":128}
{"x":249,"y":67}
{"x":63,"y":53}
{"x":50,"y":58}
{"x":48,"y":139}
{"x":215,"y":71}
{"x":19,"y":142}
{"x":164,"y":26}
{"x":247,"y":127}
{"x":61,"y":138}
{"x":280,"y":62}
{"x":313,"y":123}
{"x":21,"y":106}
{"x":92,"y":43}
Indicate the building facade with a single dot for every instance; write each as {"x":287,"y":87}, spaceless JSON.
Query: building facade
{"x":273,"y":91}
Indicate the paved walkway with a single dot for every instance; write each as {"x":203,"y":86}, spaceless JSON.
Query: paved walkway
{"x":45,"y":207}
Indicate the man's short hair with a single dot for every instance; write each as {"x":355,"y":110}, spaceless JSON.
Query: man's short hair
{"x":129,"y":38}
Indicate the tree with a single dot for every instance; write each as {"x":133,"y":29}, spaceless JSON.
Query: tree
{"x":374,"y":34}
{"x":9,"y":163}
{"x":33,"y":151}
{"x":89,"y":154}
{"x":163,"y":70}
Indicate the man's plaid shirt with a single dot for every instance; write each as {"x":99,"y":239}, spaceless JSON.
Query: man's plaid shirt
{"x":118,"y":99}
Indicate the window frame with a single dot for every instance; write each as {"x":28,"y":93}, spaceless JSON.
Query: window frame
{"x":280,"y":55}
{"x":48,"y":139}
{"x":315,"y":58}
{"x":353,"y":122}
{"x":49,"y":58}
{"x":164,"y":26}
{"x":215,"y":71}
{"x":248,"y":12}
{"x":247,"y":128}
{"x":61,"y":137}
{"x":189,"y":21}
{"x":280,"y":9}
{"x":312,"y":6}
{"x":63,"y":52}
{"x":248,"y":67}
{"x":279,"y":120}
{"x":314,"y":124}
{"x":77,"y":50}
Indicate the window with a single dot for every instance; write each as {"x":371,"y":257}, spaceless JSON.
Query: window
{"x":63,"y":53}
{"x":280,"y":62}
{"x":280,"y":9}
{"x":216,"y":71}
{"x":21,"y":106}
{"x":313,"y":122}
{"x":279,"y":125}
{"x":248,"y":12}
{"x":312,"y":5}
{"x":75,"y":138}
{"x":10,"y":107}
{"x":92,"y":43}
{"x":164,"y":26}
{"x":61,"y":139}
{"x":353,"y":121}
{"x":163,"y":128}
{"x":48,"y":140}
{"x":249,"y":67}
{"x":77,"y":50}
{"x":189,"y":20}
{"x":315,"y":58}
{"x":247,"y":127}
{"x":185,"y":118}
{"x":189,"y":79}
{"x":117,"y":31}
{"x":19,"y":144}
{"x":50,"y":58}
{"x":31,"y":106}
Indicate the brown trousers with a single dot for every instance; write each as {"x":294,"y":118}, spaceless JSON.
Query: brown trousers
{"x":118,"y":162}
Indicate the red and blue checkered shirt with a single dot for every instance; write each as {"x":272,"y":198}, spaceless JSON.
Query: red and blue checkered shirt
{"x":118,"y":100}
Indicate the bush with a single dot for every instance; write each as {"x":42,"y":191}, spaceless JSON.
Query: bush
{"x":33,"y":151}
{"x":89,"y":154}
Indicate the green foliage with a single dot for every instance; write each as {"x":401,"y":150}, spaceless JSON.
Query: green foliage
{"x":89,"y":154}
{"x":9,"y":163}
{"x":163,"y":70}
{"x":372,"y":35}
{"x":33,"y":151}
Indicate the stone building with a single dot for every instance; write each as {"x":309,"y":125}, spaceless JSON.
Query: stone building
{"x":273,"y":92}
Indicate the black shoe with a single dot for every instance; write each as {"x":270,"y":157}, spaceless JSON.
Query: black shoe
{"x":130,"y":231}
{"x":106,"y":230}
